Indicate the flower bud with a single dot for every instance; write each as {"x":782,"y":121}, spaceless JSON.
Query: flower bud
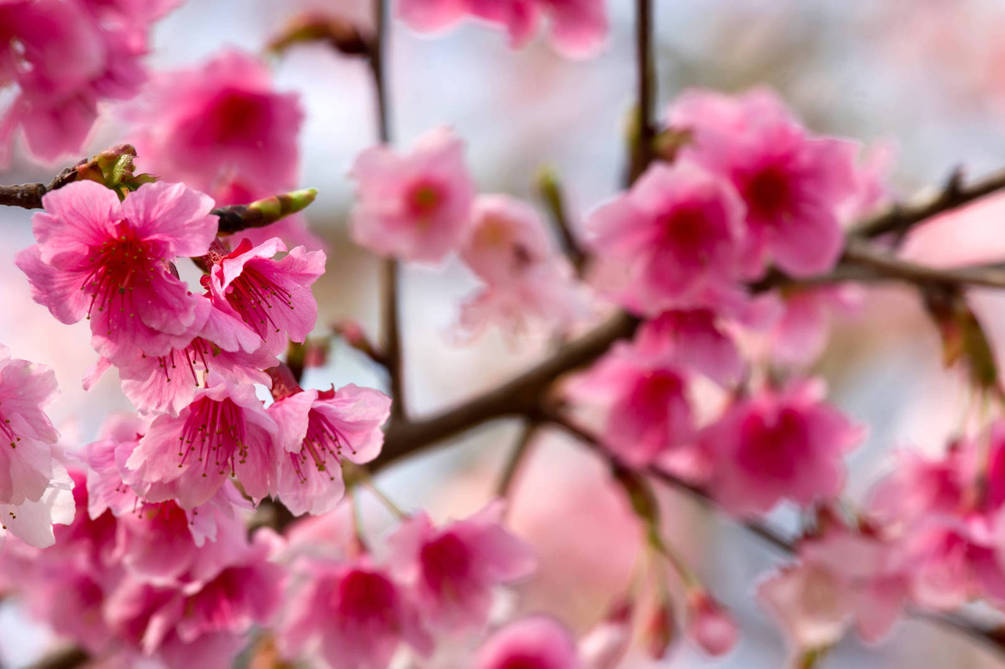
{"x":709,"y":624}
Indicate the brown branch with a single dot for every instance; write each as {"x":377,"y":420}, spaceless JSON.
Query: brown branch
{"x":644,"y":131}
{"x":887,"y":265}
{"x":516,"y":458}
{"x":64,"y":658}
{"x":521,"y":396}
{"x":29,"y":196}
{"x":551,"y":192}
{"x":954,"y":194}
{"x":993,"y":636}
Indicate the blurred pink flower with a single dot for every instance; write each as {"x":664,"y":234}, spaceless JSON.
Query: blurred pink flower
{"x":677,"y":234}
{"x":794,"y":184}
{"x":842,"y":577}
{"x":579,"y":27}
{"x":28,"y":452}
{"x":110,"y":261}
{"x":694,"y":340}
{"x":778,"y":445}
{"x":353,"y":615}
{"x":415,"y":206}
{"x":537,"y":642}
{"x":317,"y":429}
{"x":526,"y":280}
{"x":710,"y":625}
{"x":221,"y":128}
{"x":454,"y":568}
{"x":64,"y":57}
{"x":644,"y":399}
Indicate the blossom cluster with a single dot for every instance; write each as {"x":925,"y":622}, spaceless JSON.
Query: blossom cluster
{"x":156,"y":539}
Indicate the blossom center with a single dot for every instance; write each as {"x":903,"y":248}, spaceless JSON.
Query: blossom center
{"x":444,"y":560}
{"x":366,"y":595}
{"x":423,"y":198}
{"x":238,"y":117}
{"x":213,"y":434}
{"x":254,"y":297}
{"x":322,"y":443}
{"x":118,"y":266}
{"x":8,"y":432}
{"x":768,"y":193}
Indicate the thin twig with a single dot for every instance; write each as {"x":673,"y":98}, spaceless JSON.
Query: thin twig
{"x":521,"y":396}
{"x":64,"y":658}
{"x":954,"y":194}
{"x":390,"y":271}
{"x":642,"y":147}
{"x":520,"y":450}
{"x":551,"y":193}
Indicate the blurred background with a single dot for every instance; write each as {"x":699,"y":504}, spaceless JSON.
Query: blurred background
{"x":925,"y":77}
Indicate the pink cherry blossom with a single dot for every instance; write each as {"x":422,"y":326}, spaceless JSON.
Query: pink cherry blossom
{"x":800,"y":333}
{"x":64,"y":57}
{"x":710,"y":625}
{"x":676,"y":236}
{"x":222,"y":128}
{"x":319,"y":429}
{"x":224,"y":432}
{"x":353,"y":615}
{"x":226,"y":346}
{"x":415,"y":206}
{"x":110,"y":261}
{"x":271,"y":296}
{"x":201,"y":622}
{"x":218,"y":126}
{"x":578,"y":30}
{"x":644,"y":400}
{"x":794,"y":184}
{"x":454,"y":568}
{"x":842,"y":578}
{"x":778,"y":445}
{"x":693,"y":339}
{"x":27,"y":438}
{"x":527,"y":281}
{"x":537,"y":642}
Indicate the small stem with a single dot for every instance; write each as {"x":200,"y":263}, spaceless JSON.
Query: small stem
{"x":390,"y":307}
{"x":361,"y":473}
{"x":551,"y":191}
{"x":520,"y":450}
{"x":642,"y":148}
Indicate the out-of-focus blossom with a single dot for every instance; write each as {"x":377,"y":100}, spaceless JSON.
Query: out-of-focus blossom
{"x":709,"y":624}
{"x":317,"y":429}
{"x":201,"y":622}
{"x":578,"y":27}
{"x":353,"y":616}
{"x":110,"y":261}
{"x":222,"y":128}
{"x":538,"y":641}
{"x":272,"y":296}
{"x":646,"y":408}
{"x":798,"y":334}
{"x":64,"y":57}
{"x":526,"y":280}
{"x":414,"y":206}
{"x":778,"y":445}
{"x":694,"y":340}
{"x":842,"y":578}
{"x":677,"y":236}
{"x":454,"y":568}
{"x":224,"y":432}
{"x":794,"y":184}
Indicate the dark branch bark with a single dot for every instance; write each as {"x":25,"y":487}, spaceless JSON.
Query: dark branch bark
{"x":29,"y":196}
{"x":65,"y":658}
{"x":954,"y":194}
{"x":643,"y":145}
{"x":524,"y":395}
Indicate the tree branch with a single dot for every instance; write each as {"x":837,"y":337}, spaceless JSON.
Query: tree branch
{"x":954,"y":194}
{"x":642,"y":146}
{"x":521,"y":396}
{"x":29,"y":196}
